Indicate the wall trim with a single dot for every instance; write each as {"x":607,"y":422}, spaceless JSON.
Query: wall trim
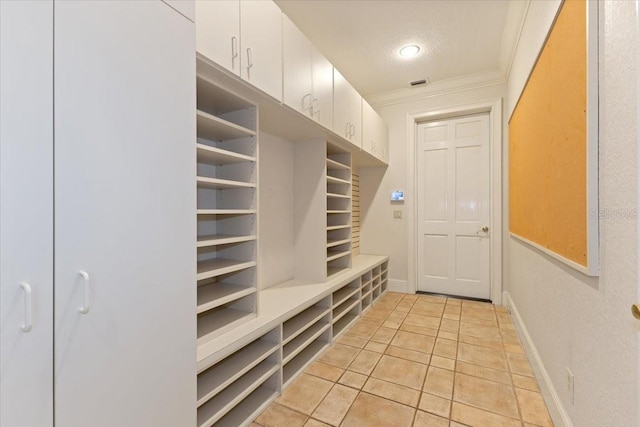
{"x":557,"y":412}
{"x":494,"y":108}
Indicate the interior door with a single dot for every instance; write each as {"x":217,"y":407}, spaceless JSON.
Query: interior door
{"x":26,"y":213}
{"x":454,"y":207}
{"x":125,"y":223}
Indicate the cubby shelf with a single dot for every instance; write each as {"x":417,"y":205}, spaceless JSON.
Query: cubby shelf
{"x":333,"y":255}
{"x":338,"y":196}
{"x":215,"y":294}
{"x":302,"y":341}
{"x":215,"y":128}
{"x":338,"y":227}
{"x":334,"y":180}
{"x":300,"y":361}
{"x":219,"y":266}
{"x":222,"y":239}
{"x":220,"y":184}
{"x":301,"y":322}
{"x":220,"y":321}
{"x":333,"y":165}
{"x":225,"y":211}
{"x":344,"y":308}
{"x":336,"y":242}
{"x":219,"y":156}
{"x":344,"y":294}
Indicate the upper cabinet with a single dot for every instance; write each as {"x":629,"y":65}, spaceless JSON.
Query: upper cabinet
{"x":308,"y":76}
{"x":245,"y":37}
{"x":347,"y":110}
{"x":218,"y":32}
{"x":375,"y":134}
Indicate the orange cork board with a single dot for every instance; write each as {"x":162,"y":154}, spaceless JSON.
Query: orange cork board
{"x":548,"y":143}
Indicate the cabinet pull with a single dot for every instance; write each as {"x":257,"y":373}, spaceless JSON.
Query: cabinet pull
{"x":306,"y":107}
{"x":249,"y":62}
{"x":84,"y":309}
{"x":234,"y":51}
{"x":347,"y":131}
{"x":28,"y":323}
{"x":315,"y":107}
{"x":353,"y":130}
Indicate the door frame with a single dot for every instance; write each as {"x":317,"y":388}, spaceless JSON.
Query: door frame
{"x":494,"y":108}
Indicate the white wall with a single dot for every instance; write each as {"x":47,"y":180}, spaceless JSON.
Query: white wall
{"x":380,"y":232}
{"x":575,"y":321}
{"x":275,"y":211}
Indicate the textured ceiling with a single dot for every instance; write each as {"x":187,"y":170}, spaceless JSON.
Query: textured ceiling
{"x":361,"y":38}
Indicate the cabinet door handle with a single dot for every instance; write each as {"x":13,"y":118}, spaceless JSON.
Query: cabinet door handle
{"x":315,"y":107}
{"x":84,"y":309}
{"x":28,"y":323}
{"x":249,"y":61}
{"x":234,"y":51}
{"x":353,"y":130}
{"x":306,"y":107}
{"x":347,"y":130}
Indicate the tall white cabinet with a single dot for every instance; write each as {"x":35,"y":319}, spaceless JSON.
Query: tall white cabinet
{"x":26,"y":214}
{"x":125,"y":261}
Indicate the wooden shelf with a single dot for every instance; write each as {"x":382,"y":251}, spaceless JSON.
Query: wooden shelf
{"x":336,"y":242}
{"x":338,"y":227}
{"x":216,"y":294}
{"x":332,"y":271}
{"x":345,"y":308}
{"x":301,"y":322}
{"x":216,"y":100}
{"x":304,"y":358}
{"x":343,"y":323}
{"x":215,"y":379}
{"x":218,"y":266}
{"x":224,"y":319}
{"x":218,"y":156}
{"x":335,"y":211}
{"x":343,"y":294}
{"x":222,"y":239}
{"x":338,"y":196}
{"x":226,"y":211}
{"x":221,"y":184}
{"x":334,"y":180}
{"x":333,"y":165}
{"x":217,"y":129}
{"x":295,"y":346}
{"x":217,"y":407}
{"x":331,"y":255}
{"x":249,"y":408}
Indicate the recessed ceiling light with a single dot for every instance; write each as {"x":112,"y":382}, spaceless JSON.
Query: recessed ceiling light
{"x":409,"y":51}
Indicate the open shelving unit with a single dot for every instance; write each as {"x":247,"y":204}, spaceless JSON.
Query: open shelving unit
{"x":338,"y":174}
{"x":345,"y":303}
{"x":367,"y":291}
{"x":227,"y":181}
{"x":304,"y":336}
{"x":240,"y":385}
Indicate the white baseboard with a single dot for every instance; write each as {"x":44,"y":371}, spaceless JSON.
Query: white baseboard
{"x":557,"y":412}
{"x":398,"y":286}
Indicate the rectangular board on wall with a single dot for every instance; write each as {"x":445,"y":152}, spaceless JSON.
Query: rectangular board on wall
{"x":553,"y":151}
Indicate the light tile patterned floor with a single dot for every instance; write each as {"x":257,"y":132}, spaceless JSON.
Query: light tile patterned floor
{"x":417,"y":360}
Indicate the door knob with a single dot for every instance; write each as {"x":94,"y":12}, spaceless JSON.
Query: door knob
{"x":635,"y":310}
{"x":484,"y":229}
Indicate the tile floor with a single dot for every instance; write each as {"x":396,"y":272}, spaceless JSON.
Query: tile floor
{"x":417,"y":360}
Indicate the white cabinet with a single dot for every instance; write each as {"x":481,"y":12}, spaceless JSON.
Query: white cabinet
{"x":308,"y":76}
{"x":375,"y":134}
{"x":26,"y":214}
{"x":347,"y":110}
{"x":245,"y":37}
{"x":218,"y":32}
{"x":125,"y":227}
{"x":261,"y":45}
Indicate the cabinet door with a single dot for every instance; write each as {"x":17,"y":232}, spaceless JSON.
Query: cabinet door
{"x":383,"y":140}
{"x":261,"y":45}
{"x":26,"y":213}
{"x":355,"y":116}
{"x":322,"y":88}
{"x":298,"y":88}
{"x":370,"y":128}
{"x":218,"y":32}
{"x":341,"y":121}
{"x":125,"y":333}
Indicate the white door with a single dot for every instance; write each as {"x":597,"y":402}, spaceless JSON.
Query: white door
{"x":124,"y":214}
{"x":261,"y":45}
{"x":452,"y":162}
{"x":26,"y":214}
